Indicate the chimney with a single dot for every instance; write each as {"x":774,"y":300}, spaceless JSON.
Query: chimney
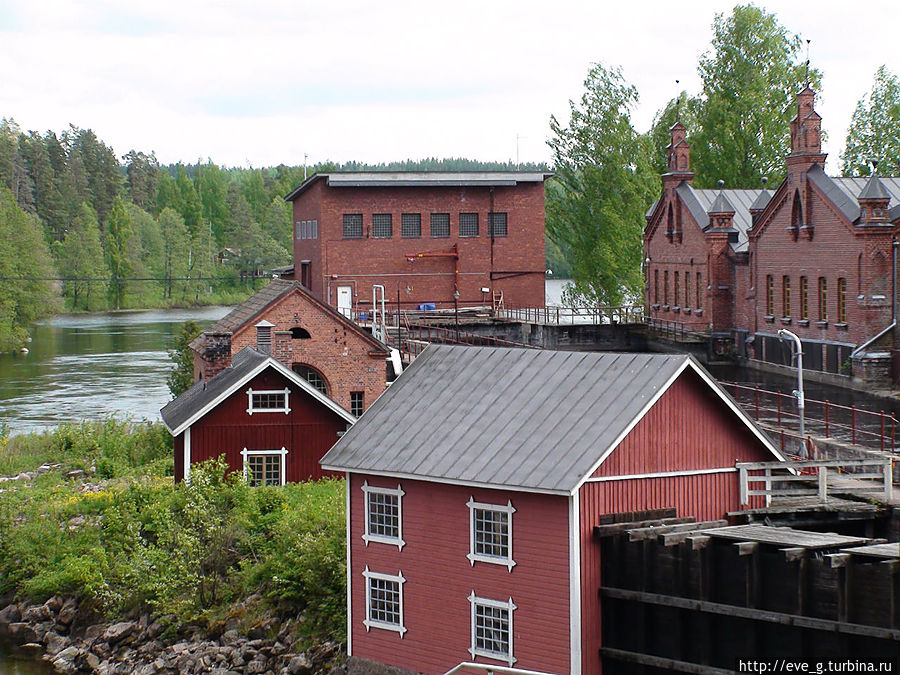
{"x":264,"y":336}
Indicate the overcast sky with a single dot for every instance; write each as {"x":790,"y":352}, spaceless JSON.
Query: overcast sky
{"x":264,"y":82}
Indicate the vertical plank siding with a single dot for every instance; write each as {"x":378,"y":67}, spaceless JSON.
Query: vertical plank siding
{"x":690,"y":428}
{"x":307,"y":432}
{"x":439,"y":578}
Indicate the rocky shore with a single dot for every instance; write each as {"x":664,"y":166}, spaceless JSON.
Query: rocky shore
{"x":143,"y":645}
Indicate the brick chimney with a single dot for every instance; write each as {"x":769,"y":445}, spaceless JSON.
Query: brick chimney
{"x":720,"y":233}
{"x":679,"y":157}
{"x":873,"y":202}
{"x":806,"y":134}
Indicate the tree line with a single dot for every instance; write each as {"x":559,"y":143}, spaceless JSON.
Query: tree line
{"x":607,"y":173}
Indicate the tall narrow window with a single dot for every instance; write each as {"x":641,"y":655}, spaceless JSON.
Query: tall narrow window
{"x":666,"y":287}
{"x":677,"y":287}
{"x":687,"y":289}
{"x":804,"y":298}
{"x":823,"y":299}
{"x":356,"y":403}
{"x":699,"y":290}
{"x":656,"y":286}
{"x":770,"y":295}
{"x":786,"y":296}
{"x":842,"y":300}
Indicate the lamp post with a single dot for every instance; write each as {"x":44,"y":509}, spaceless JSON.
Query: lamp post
{"x":456,"y":312}
{"x":798,"y":392}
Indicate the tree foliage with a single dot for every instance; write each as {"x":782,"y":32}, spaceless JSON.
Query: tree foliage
{"x":181,"y":376}
{"x":751,"y":77}
{"x":602,"y":187}
{"x":874,"y":132}
{"x":81,"y":261}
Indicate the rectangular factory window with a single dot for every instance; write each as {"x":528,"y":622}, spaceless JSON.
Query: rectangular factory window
{"x":411,"y":225}
{"x":842,"y":300}
{"x":770,"y":295}
{"x":356,"y":403}
{"x":440,"y":225}
{"x":468,"y":224}
{"x":382,"y":226}
{"x":353,"y":226}
{"x":785,"y":296}
{"x":264,"y":467}
{"x":823,"y":299}
{"x":497,"y":224}
{"x":804,"y":298}
{"x":492,"y":628}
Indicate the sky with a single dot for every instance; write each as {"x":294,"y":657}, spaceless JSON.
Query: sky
{"x":273,"y":81}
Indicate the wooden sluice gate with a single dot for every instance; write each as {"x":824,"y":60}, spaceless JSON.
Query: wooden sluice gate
{"x":699,"y":597}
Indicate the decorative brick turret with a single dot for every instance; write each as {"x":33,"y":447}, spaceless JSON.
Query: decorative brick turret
{"x":873,"y":203}
{"x":806,"y":134}
{"x":679,"y":152}
{"x":719,"y":233}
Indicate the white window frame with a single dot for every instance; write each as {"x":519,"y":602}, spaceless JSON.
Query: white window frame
{"x":510,"y":607}
{"x":245,"y":453}
{"x":509,"y":510}
{"x":398,"y":493}
{"x":368,"y":622}
{"x":286,"y":409}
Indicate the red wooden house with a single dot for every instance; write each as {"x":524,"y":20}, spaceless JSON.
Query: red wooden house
{"x":475,"y":481}
{"x":266,"y":419}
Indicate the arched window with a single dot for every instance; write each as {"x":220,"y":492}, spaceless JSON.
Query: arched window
{"x":311,"y":375}
{"x":796,"y":215}
{"x":298,"y":333}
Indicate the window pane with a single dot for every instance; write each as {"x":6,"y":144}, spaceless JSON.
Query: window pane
{"x":497,"y":224}
{"x":411,"y":225}
{"x":384,"y":515}
{"x":491,"y":533}
{"x":274,"y":401}
{"x":381,"y":225}
{"x":468,"y":224}
{"x":353,"y":226}
{"x":440,"y":225}
{"x":384,"y":601}
{"x":356,"y":403}
{"x":492,"y":629}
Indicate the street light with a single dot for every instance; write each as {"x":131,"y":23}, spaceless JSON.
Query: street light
{"x":456,"y":312}
{"x":798,"y":392}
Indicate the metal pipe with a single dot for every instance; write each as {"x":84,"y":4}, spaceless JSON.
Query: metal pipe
{"x":493,"y":669}
{"x":798,"y":392}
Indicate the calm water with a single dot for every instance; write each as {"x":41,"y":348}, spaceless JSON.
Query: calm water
{"x":16,"y":664}
{"x":91,"y":365}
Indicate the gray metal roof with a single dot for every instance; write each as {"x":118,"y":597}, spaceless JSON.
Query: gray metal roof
{"x":203,"y":396}
{"x":740,"y":200}
{"x":521,"y":418}
{"x":721,"y":204}
{"x":421,"y":179}
{"x":844,"y":191}
{"x":874,"y":189}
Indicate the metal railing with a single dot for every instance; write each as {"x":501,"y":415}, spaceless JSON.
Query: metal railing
{"x":419,"y":337}
{"x":874,"y":430}
{"x":486,"y":668}
{"x":675,"y":330}
{"x":865,"y":477}
{"x":558,"y":315}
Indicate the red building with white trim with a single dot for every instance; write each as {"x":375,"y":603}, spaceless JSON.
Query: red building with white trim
{"x":267,"y":420}
{"x":814,"y":257}
{"x":422,"y":236}
{"x":475,"y":481}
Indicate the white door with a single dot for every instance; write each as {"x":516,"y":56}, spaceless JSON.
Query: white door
{"x":345,"y":300}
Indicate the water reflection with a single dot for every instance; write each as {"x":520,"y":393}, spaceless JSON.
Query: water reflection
{"x":92,"y":365}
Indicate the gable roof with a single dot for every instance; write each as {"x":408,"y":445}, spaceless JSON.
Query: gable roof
{"x":533,"y":420}
{"x":845,"y":192}
{"x":204,"y":396}
{"x":420,"y":179}
{"x":264,"y":298}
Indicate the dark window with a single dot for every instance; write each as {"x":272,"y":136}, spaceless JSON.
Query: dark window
{"x":786,"y":296}
{"x":356,"y":403}
{"x":842,"y":300}
{"x":492,"y":629}
{"x":497,"y":225}
{"x":311,"y":375}
{"x":770,"y":295}
{"x":491,"y":533}
{"x":269,"y":401}
{"x":699,"y":290}
{"x":823,"y":299}
{"x":468,"y":224}
{"x":440,"y":225}
{"x":264,"y":470}
{"x":384,"y":515}
{"x":677,"y":287}
{"x":353,"y":226}
{"x":804,"y":298}
{"x":382,"y":227}
{"x":384,"y":602}
{"x":298,"y":333}
{"x":411,"y":225}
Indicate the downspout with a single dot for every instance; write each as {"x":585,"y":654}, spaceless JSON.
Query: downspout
{"x":893,"y":324}
{"x":490,"y":225}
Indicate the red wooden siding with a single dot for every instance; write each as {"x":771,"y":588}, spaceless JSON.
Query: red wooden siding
{"x":689,"y":428}
{"x":179,"y":458}
{"x":308,"y":431}
{"x":439,"y":578}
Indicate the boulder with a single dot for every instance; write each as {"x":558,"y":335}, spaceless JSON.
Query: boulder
{"x":67,"y":613}
{"x":65,"y":661}
{"x":54,"y":604}
{"x":10,"y":614}
{"x":118,"y":632}
{"x":37,"y":613}
{"x":55,"y":643}
{"x":299,"y":665}
{"x":256,"y":666}
{"x":22,"y":633}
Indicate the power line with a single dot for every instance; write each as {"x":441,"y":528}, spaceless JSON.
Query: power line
{"x":242,"y":278}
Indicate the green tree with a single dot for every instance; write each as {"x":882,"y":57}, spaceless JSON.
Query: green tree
{"x":101,"y":169}
{"x":750,"y":79}
{"x":212,"y":187}
{"x":118,"y":233}
{"x":81,"y":261}
{"x":142,"y":171}
{"x":190,"y":202}
{"x":602,"y":187}
{"x":26,"y":292}
{"x":181,"y":377}
{"x":874,"y":132}
{"x":175,"y":249}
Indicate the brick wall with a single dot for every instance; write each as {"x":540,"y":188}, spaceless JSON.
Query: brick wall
{"x":360,"y":263}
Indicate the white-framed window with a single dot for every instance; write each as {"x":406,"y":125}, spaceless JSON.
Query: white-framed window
{"x":384,"y":601}
{"x":490,"y":533}
{"x":384,"y":515}
{"x":492,"y":628}
{"x":264,"y":467}
{"x":268,"y":400}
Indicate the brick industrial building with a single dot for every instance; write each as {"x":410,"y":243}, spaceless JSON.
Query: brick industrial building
{"x":423,"y":236}
{"x":814,"y":257}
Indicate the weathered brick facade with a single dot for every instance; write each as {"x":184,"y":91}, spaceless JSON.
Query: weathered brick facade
{"x":305,"y":333}
{"x":512,"y":263}
{"x":814,"y":257}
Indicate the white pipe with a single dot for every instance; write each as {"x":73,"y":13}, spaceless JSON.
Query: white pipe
{"x":801,"y":400}
{"x":378,"y":332}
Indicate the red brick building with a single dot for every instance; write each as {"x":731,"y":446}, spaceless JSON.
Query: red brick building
{"x":267,"y":421}
{"x":814,"y":256}
{"x":423,"y":236}
{"x":340,"y":359}
{"x":474,"y":484}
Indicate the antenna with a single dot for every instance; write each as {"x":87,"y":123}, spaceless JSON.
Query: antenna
{"x":677,"y":102}
{"x":807,"y":62}
{"x":305,"y":155}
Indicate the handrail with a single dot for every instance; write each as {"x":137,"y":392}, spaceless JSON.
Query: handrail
{"x":819,"y":474}
{"x":877,"y":337}
{"x":495,"y":669}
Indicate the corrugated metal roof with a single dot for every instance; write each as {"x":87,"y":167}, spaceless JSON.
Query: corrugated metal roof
{"x":534,"y":420}
{"x":421,"y":179}
{"x":741,"y":200}
{"x":852,"y":187}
